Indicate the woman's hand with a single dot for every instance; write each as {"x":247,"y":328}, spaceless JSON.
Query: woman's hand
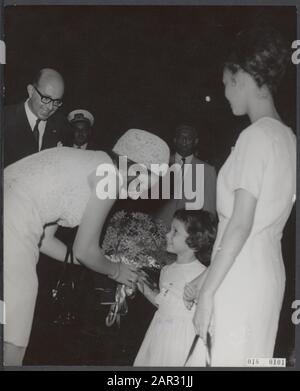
{"x":203,"y":315}
{"x":125,"y":274}
{"x":189,"y":295}
{"x":192,"y":289}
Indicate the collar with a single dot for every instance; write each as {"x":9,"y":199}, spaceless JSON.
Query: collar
{"x":188,"y":159}
{"x":83,"y":146}
{"x":31,"y":117}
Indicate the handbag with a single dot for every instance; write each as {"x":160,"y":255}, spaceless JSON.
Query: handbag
{"x":65,"y":295}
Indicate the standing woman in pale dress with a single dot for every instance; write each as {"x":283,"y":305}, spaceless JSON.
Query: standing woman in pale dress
{"x":68,"y":187}
{"x":240,"y":297}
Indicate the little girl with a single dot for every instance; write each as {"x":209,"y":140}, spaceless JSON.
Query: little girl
{"x":171,"y":332}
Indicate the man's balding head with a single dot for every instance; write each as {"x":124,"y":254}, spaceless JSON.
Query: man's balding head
{"x":48,"y":83}
{"x":49,"y":76}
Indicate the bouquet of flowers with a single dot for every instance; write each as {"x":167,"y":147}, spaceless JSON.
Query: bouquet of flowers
{"x":133,"y":238}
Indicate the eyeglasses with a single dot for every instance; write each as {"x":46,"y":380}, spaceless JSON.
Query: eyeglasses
{"x":47,"y":99}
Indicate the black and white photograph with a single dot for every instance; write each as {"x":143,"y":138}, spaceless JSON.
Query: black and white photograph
{"x":149,"y":158}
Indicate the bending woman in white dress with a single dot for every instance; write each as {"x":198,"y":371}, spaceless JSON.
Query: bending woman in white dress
{"x":60,"y":186}
{"x":240,"y":296}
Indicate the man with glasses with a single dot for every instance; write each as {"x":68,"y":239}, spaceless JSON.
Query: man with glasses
{"x":36,"y":124}
{"x":30,"y":127}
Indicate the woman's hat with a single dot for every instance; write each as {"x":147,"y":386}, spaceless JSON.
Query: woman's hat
{"x":143,"y":147}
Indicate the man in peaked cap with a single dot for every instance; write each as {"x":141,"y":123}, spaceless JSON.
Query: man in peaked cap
{"x":81,"y":122}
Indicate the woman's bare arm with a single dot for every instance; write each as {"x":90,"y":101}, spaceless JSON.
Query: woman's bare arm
{"x":86,"y":245}
{"x":52,"y":246}
{"x":234,"y":238}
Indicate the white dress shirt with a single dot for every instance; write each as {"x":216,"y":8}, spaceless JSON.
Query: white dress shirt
{"x":188,"y":160}
{"x":188,"y":173}
{"x":32,"y":118}
{"x":178,"y":159}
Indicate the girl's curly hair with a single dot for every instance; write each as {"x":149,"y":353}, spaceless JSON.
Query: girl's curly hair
{"x":263,"y":53}
{"x":201,"y":227}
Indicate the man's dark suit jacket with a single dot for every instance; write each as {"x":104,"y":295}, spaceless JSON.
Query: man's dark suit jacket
{"x":19,"y":141}
{"x":169,"y":207}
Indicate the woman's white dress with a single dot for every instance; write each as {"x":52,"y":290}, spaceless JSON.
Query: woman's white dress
{"x":249,"y":300}
{"x":171,"y":332}
{"x":48,"y":187}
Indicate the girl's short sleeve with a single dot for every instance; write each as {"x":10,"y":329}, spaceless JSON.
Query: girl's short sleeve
{"x":250,"y":157}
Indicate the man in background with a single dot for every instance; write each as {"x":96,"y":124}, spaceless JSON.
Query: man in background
{"x":35,"y":124}
{"x":81,"y":122}
{"x":185,"y":143}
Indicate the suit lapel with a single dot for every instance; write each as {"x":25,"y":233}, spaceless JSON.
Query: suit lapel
{"x":50,"y":135}
{"x":172,"y":160}
{"x":195,"y":161}
{"x":27,"y":135}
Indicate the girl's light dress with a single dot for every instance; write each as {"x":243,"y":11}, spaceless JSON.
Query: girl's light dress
{"x":171,"y":332}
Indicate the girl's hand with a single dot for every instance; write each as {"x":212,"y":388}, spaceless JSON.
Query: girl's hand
{"x":149,"y":293}
{"x":203,"y":315}
{"x":144,"y":288}
{"x":189,"y":295}
{"x":141,"y":285}
{"x":144,"y":278}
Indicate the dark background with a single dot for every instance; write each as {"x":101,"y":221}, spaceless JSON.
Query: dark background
{"x":148,"y":67}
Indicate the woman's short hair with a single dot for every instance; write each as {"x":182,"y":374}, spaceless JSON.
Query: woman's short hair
{"x":201,"y":227}
{"x":261,"y":52}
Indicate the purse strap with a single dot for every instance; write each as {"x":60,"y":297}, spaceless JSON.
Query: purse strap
{"x":68,"y":257}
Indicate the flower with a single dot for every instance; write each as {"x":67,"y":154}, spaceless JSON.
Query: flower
{"x":133,"y":238}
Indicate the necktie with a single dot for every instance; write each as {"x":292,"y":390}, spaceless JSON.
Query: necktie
{"x":182,"y":167}
{"x":182,"y":177}
{"x":36,"y":133}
